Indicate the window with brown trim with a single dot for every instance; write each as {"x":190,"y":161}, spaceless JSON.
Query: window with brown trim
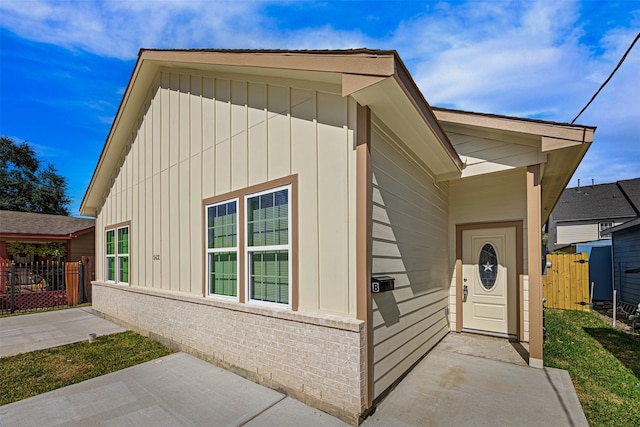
{"x":250,"y":244}
{"x":117,"y":254}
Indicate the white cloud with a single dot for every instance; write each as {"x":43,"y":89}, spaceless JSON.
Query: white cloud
{"x":119,"y":28}
{"x":521,"y":59}
{"x":536,"y":59}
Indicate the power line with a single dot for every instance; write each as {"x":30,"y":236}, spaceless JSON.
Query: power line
{"x":609,"y":78}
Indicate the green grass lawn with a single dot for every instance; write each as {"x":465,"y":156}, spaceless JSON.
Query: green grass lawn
{"x":604,"y":364}
{"x":29,"y":374}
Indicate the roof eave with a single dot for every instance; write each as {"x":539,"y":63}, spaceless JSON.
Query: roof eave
{"x":35,"y":236}
{"x":422,"y":106}
{"x":89,"y":205}
{"x":397,"y":100}
{"x":631,"y":223}
{"x":374,"y":64}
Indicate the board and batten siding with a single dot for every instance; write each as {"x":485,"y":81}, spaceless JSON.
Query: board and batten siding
{"x":626,"y":256}
{"x":489,"y":198}
{"x":203,"y":135}
{"x":409,"y":242}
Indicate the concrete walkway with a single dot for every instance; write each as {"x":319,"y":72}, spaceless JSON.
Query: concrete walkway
{"x":467,"y":380}
{"x":177,"y":390}
{"x":29,"y":332}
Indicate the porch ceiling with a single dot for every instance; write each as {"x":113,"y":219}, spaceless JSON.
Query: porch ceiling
{"x":559,"y":147}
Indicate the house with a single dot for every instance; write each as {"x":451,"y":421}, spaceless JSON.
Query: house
{"x":626,"y":260}
{"x":307,"y":220}
{"x":583,"y":212}
{"x":579,"y":220}
{"x":76,"y":236}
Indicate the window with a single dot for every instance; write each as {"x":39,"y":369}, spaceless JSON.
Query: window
{"x":117,"y":254}
{"x":111,"y":256}
{"x":222,"y":249}
{"x":488,"y":266}
{"x":603,"y":226}
{"x":267,"y":246}
{"x":250,"y":245}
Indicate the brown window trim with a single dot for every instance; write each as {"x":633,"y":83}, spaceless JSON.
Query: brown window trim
{"x":115,"y":227}
{"x":240,"y":194}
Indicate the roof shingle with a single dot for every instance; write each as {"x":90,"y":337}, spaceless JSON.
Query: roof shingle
{"x":602,"y":201}
{"x":42,"y":224}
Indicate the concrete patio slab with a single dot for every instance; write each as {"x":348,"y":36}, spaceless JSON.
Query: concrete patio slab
{"x":38,"y":331}
{"x":293,"y":413}
{"x":450,"y":388}
{"x":465,"y":380}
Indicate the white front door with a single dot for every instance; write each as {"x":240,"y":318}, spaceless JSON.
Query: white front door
{"x":489,"y":281}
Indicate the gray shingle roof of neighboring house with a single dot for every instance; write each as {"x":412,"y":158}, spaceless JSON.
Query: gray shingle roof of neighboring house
{"x":602,"y":201}
{"x":26,"y":223}
{"x":631,"y":189}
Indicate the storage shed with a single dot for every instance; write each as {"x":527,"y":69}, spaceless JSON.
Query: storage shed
{"x":626,"y":260}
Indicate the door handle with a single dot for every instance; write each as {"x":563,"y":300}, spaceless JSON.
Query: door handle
{"x":465,"y":292}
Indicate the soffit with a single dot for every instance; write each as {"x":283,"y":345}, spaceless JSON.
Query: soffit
{"x":388,"y":101}
{"x":562,"y":145}
{"x":560,"y":166}
{"x":515,"y":125}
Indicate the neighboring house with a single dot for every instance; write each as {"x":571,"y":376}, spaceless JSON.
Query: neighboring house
{"x":76,"y":234}
{"x":247,"y":203}
{"x":583,"y":212}
{"x":626,"y":260}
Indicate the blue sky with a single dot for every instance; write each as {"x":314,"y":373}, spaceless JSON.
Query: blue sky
{"x":64,"y":65}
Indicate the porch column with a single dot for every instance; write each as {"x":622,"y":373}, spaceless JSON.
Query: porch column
{"x":534,"y":246}
{"x":363,"y":243}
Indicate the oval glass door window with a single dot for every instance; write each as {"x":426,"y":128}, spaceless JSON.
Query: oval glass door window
{"x":488,"y":266}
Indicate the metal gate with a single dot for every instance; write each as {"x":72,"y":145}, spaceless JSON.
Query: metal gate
{"x":40,"y":285}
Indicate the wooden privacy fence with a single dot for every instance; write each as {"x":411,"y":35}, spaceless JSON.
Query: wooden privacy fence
{"x":566,"y":284}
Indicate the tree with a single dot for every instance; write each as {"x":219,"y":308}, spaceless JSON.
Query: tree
{"x":26,"y":185}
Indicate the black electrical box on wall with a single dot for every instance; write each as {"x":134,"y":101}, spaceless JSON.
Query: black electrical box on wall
{"x":382,"y":284}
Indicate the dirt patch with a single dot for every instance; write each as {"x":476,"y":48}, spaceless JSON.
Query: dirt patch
{"x":605,"y":311}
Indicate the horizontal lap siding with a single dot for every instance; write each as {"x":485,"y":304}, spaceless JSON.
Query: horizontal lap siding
{"x":409,"y":231}
{"x":199,"y":136}
{"x":626,"y":256}
{"x":577,"y":232}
